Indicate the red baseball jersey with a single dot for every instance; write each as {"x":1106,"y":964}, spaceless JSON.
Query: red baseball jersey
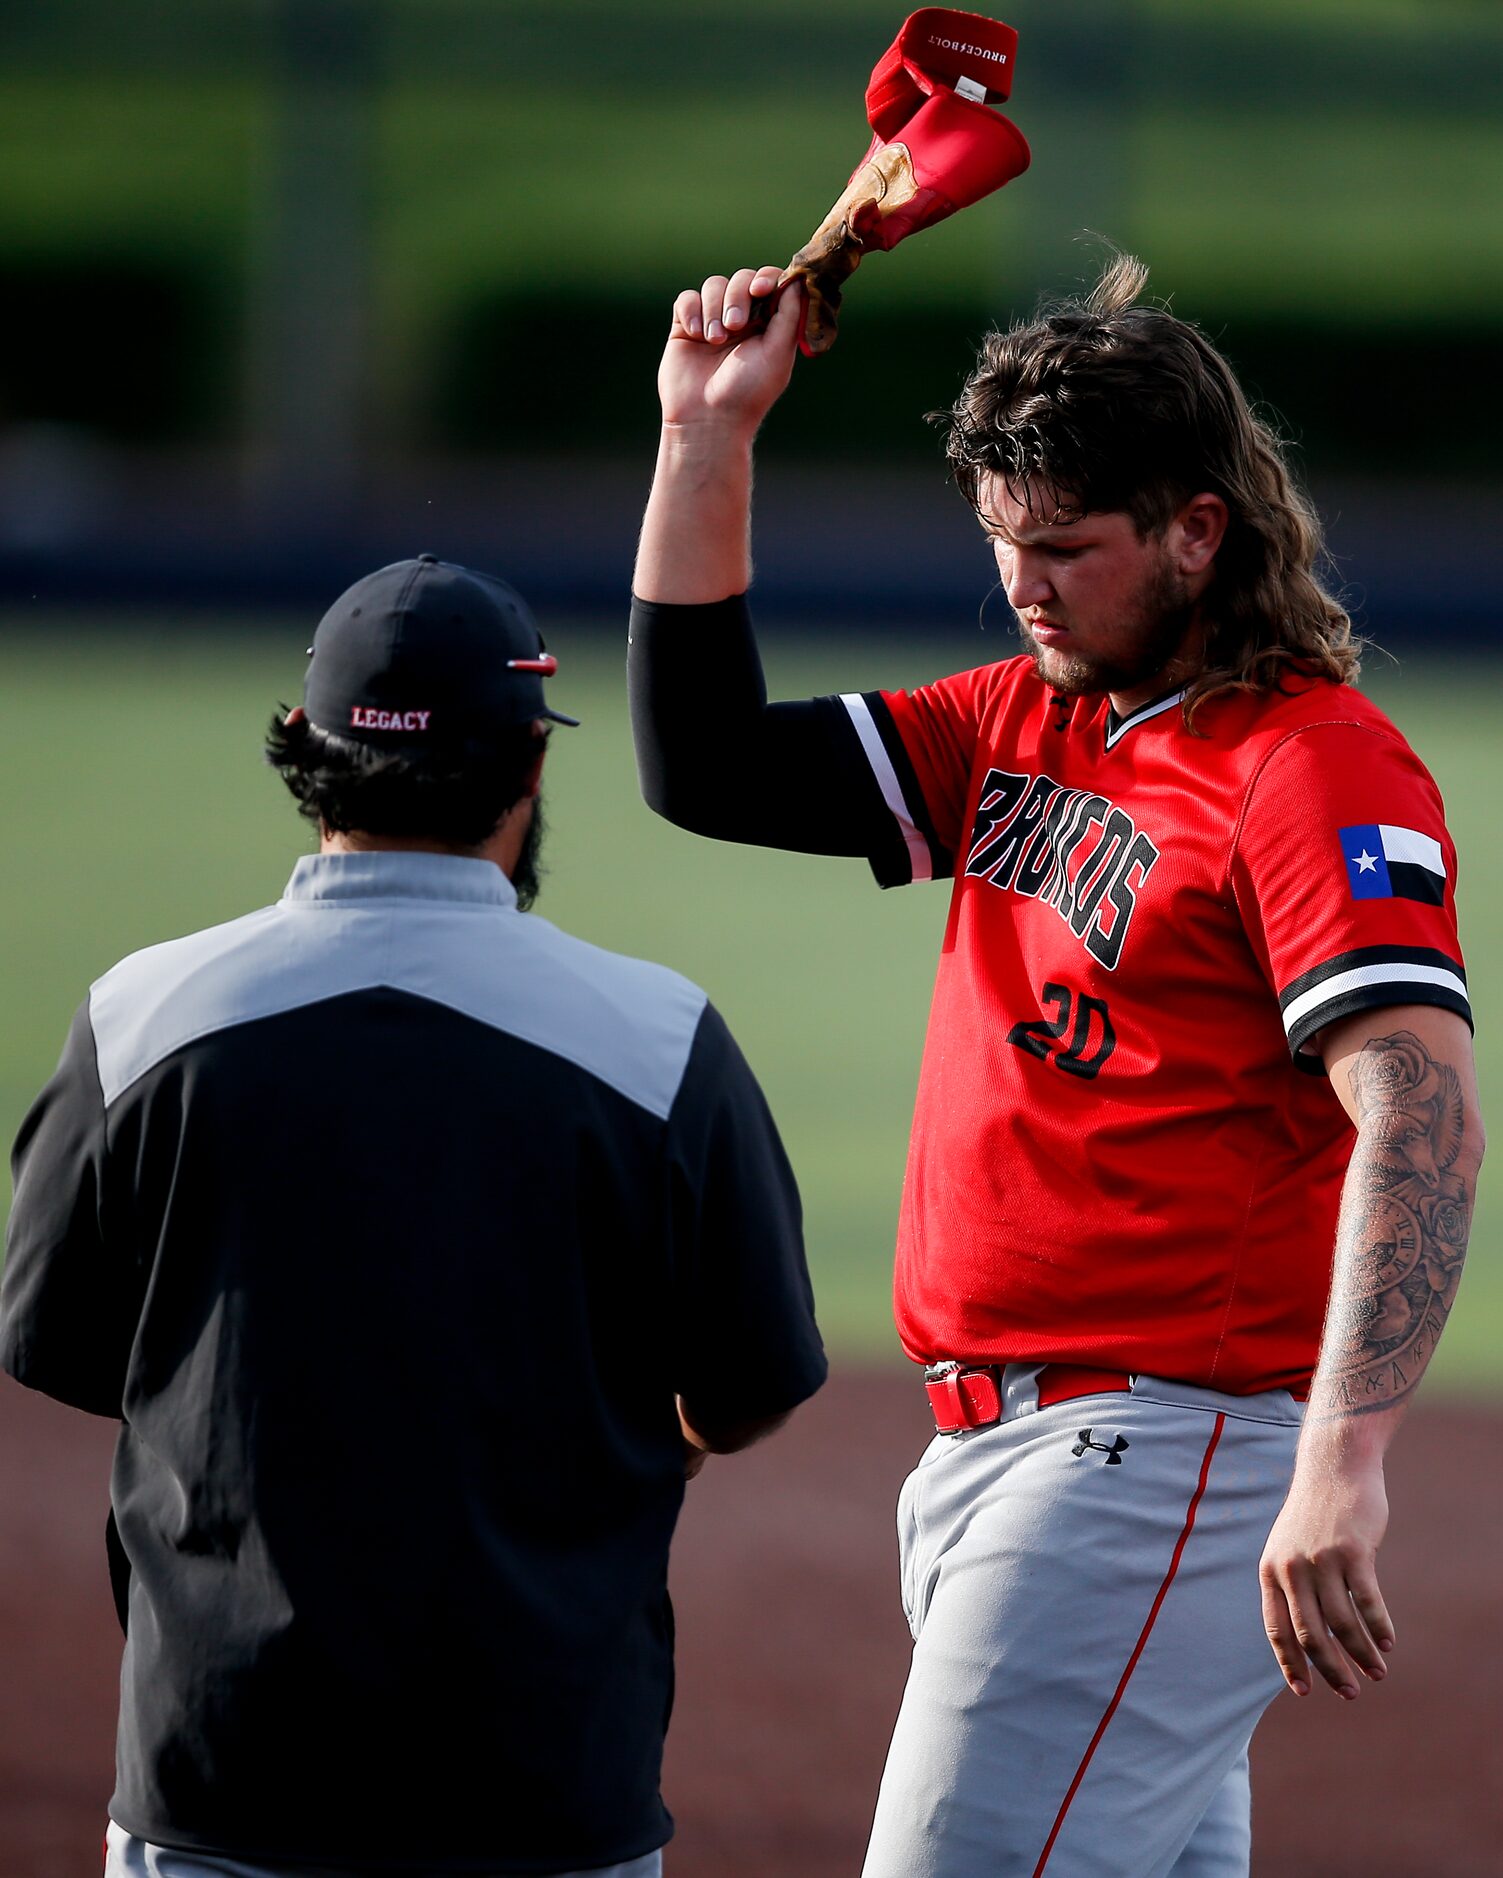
{"x":1125,"y":1151}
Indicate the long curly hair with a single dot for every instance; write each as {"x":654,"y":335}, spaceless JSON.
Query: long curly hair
{"x":1101,"y":404}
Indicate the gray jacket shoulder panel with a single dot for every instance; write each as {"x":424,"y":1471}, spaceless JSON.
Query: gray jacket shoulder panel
{"x":169,"y":995}
{"x":626,"y":1021}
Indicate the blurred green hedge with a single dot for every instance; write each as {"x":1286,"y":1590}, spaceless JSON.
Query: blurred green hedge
{"x":1315,"y":180}
{"x":522,"y":372}
{"x":145,"y":352}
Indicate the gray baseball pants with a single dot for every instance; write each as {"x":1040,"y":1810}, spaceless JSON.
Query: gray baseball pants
{"x":1089,"y":1657}
{"x":127,"y":1857}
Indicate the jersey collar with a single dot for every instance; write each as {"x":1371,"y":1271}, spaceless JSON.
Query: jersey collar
{"x":389,"y":874}
{"x":1118,"y":727}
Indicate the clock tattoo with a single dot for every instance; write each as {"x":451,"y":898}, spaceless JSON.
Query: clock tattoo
{"x":1405,"y":1224}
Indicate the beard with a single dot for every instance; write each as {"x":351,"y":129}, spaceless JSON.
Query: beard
{"x":1147,"y":642}
{"x":527,"y":875}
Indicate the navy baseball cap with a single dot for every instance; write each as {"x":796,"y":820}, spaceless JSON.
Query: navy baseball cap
{"x":425,"y":649}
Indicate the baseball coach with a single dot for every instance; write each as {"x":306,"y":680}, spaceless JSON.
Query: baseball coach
{"x":420,"y":1250}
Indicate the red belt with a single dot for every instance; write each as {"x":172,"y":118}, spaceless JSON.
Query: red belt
{"x":966,"y":1396}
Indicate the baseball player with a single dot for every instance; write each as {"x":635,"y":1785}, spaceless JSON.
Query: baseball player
{"x":420,"y":1250}
{"x":1198,"y":1078}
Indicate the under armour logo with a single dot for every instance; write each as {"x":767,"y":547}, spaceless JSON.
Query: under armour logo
{"x":1113,"y":1453}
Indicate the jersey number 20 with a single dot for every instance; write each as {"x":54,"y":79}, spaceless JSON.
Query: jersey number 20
{"x":1092,"y":1026}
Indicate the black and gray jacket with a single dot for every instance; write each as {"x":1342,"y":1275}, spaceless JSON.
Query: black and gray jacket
{"x":389,"y":1220}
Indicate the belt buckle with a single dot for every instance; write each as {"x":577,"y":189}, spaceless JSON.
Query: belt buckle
{"x":962,"y":1397}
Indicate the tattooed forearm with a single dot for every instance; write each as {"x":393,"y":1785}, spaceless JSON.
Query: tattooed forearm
{"x":1404,"y":1222}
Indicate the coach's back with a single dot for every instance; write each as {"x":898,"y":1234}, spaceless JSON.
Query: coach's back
{"x":389,"y":1220}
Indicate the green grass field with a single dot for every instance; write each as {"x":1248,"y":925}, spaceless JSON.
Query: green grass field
{"x":532,"y":186}
{"x":135,"y":808}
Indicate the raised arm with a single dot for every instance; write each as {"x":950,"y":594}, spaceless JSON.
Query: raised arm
{"x":712,"y":754}
{"x":1406,"y":1078}
{"x":715,"y":386}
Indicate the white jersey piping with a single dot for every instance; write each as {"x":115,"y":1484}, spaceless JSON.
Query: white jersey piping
{"x":920,"y":859}
{"x":1115,"y":735}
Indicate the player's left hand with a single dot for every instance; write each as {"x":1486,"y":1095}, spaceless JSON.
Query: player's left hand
{"x":1321,"y":1602}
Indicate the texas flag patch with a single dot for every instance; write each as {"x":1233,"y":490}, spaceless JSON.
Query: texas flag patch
{"x":1388,"y":863}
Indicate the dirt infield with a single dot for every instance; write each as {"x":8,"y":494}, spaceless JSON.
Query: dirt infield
{"x":792,"y":1652}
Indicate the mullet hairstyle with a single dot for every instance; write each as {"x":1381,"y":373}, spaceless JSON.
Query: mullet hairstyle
{"x":1099,"y":404}
{"x":454,"y":794}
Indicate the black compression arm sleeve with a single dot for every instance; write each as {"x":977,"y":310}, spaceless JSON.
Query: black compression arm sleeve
{"x":715,"y":757}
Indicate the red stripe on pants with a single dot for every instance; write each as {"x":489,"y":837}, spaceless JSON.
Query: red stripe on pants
{"x":1132,"y":1661}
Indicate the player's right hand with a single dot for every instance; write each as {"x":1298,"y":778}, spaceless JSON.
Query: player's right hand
{"x":1321,"y":1602}
{"x":717,"y":370}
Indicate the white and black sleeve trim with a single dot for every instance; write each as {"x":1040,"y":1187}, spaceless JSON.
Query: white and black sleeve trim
{"x":892,"y":768}
{"x":1368,"y":979}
